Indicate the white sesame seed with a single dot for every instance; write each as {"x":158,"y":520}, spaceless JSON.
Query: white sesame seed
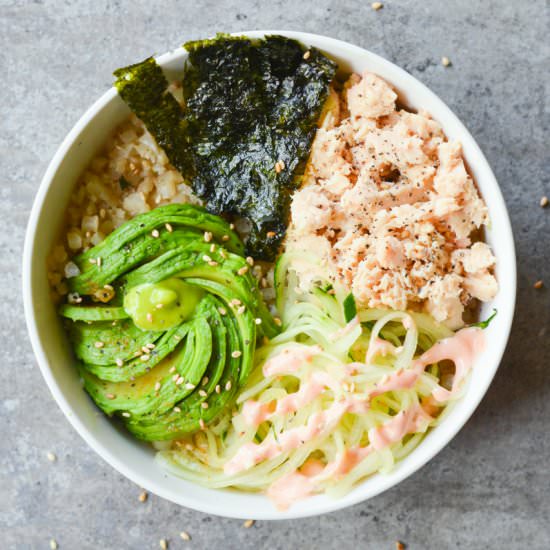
{"x":159,"y":306}
{"x":222,"y":311}
{"x":250,"y":260}
{"x":98,"y":345}
{"x":212,"y":247}
{"x":218,"y":389}
{"x":51,"y":457}
{"x":206,"y":258}
{"x":202,"y":393}
{"x":277,"y":321}
{"x":377,"y":6}
{"x":236,"y":354}
{"x":243,"y":270}
{"x":235,"y":302}
{"x":228,"y":385}
{"x":145,"y":357}
{"x":168,"y":227}
{"x":202,"y":424}
{"x":172,"y":369}
{"x":110,"y":396}
{"x":190,"y":386}
{"x":98,"y":262}
{"x":225,"y":238}
{"x":92,"y":260}
{"x":241,"y":310}
{"x":207,"y":236}
{"x":155,"y":233}
{"x":179,"y":381}
{"x":248,"y":523}
{"x":307,"y":55}
{"x":143,"y":496}
{"x":163,"y":544}
{"x":258,"y":321}
{"x":204,"y":381}
{"x":53,"y":544}
{"x":149,"y":317}
{"x":223,"y":253}
{"x":544,"y":202}
{"x":126,"y":414}
{"x":177,"y":410}
{"x":151,"y":345}
{"x":212,"y":263}
{"x":185,"y":535}
{"x":175,"y":377}
{"x":445,"y":61}
{"x":231,"y":226}
{"x":157,"y":386}
{"x":204,"y":405}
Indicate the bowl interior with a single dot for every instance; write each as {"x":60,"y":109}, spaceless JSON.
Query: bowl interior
{"x":135,"y":460}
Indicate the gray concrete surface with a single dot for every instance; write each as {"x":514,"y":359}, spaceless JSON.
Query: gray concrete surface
{"x":490,"y":488}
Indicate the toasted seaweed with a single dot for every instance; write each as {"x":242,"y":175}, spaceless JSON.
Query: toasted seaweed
{"x":244,"y":133}
{"x":143,"y":87}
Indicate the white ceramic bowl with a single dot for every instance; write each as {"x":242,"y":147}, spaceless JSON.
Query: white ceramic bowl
{"x":135,"y":460}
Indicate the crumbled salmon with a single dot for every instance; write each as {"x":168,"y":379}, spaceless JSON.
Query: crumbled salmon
{"x":390,"y":207}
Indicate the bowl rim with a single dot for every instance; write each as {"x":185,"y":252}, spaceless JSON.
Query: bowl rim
{"x":116,"y":462}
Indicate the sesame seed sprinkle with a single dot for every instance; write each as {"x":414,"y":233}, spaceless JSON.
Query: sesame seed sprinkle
{"x":185,"y":535}
{"x":190,"y":386}
{"x":250,"y":260}
{"x":163,"y":544}
{"x":202,"y":424}
{"x":177,"y":410}
{"x":126,"y":414}
{"x":98,"y":345}
{"x":241,"y":310}
{"x":204,"y":381}
{"x":218,"y":389}
{"x":143,"y":496}
{"x":206,"y":258}
{"x":544,"y":202}
{"x":258,"y":321}
{"x":168,"y":227}
{"x":155,"y":233}
{"x":149,"y":317}
{"x":222,"y":311}
{"x":248,"y":523}
{"x":377,"y":6}
{"x":53,"y":544}
{"x":445,"y":61}
{"x":204,"y":405}
{"x":51,"y":457}
{"x":538,"y":284}
{"x":110,"y":396}
{"x":228,"y":385}
{"x":307,"y":55}
{"x":236,"y":354}
{"x":243,"y":270}
{"x":157,"y":386}
{"x":202,"y":393}
{"x":207,"y":236}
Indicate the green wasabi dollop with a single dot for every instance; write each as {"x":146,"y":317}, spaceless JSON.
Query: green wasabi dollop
{"x":163,"y":305}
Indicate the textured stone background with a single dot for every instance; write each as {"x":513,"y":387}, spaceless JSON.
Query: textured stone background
{"x":490,"y":488}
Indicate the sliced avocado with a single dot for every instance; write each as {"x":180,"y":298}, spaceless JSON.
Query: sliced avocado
{"x":160,"y":388}
{"x":92,"y":313}
{"x":138,"y":365}
{"x":135,"y":241}
{"x":190,"y":413}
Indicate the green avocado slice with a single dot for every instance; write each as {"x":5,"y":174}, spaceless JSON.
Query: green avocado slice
{"x":92,"y":313}
{"x":159,"y":389}
{"x":135,"y":242}
{"x":190,"y":413}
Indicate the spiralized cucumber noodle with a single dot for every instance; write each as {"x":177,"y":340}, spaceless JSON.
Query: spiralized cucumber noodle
{"x":323,"y":421}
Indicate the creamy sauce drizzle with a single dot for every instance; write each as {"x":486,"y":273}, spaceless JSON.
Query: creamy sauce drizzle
{"x":461,"y":349}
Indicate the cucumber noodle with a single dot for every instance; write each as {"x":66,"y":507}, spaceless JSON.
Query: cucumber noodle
{"x":314,"y":326}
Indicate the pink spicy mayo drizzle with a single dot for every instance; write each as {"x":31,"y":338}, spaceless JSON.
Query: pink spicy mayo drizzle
{"x":461,"y":349}
{"x":289,"y":360}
